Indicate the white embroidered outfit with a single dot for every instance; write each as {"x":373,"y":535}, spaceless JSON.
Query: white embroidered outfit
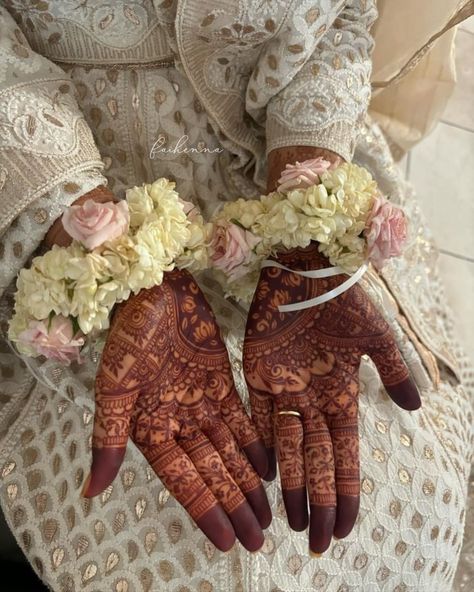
{"x":86,"y":91}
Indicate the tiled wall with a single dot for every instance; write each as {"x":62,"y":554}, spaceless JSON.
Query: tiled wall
{"x":441,"y":168}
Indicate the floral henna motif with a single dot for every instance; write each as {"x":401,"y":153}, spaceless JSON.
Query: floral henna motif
{"x":165,"y":380}
{"x":179,"y":475}
{"x":210,"y":466}
{"x":308,"y":362}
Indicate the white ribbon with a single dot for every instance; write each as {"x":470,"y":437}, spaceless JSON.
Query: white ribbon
{"x":318,"y":274}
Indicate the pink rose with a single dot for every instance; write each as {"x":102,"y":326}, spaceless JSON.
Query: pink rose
{"x":93,"y":223}
{"x":56,"y":342}
{"x":385,"y":232}
{"x":232,"y":249}
{"x":189,"y":209}
{"x":302,"y":174}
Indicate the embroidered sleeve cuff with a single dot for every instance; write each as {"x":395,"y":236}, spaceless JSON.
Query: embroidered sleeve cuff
{"x":339,"y":137}
{"x":27,"y":231}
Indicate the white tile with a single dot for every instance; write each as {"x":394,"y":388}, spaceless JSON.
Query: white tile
{"x":460,"y":108}
{"x":442,"y":171}
{"x":468,"y":25}
{"x":458,"y":279}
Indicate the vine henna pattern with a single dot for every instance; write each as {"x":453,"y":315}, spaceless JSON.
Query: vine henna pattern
{"x":165,"y":380}
{"x":308,"y":362}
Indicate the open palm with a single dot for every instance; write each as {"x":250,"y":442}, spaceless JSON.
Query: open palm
{"x":165,"y":381}
{"x":307,"y":363}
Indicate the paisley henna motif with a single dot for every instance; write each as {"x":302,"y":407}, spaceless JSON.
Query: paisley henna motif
{"x":308,"y":361}
{"x":165,"y":380}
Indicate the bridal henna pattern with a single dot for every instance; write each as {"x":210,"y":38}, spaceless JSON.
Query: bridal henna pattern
{"x":308,"y":362}
{"x":165,"y":380}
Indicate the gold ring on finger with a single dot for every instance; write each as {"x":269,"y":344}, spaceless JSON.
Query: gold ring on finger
{"x":293,"y":413}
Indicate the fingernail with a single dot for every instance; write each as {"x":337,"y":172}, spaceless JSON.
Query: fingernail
{"x":86,"y":485}
{"x":313,"y":554}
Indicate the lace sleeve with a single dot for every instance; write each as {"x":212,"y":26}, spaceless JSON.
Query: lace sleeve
{"x":325,"y":101}
{"x":25,"y":233}
{"x":44,"y":138}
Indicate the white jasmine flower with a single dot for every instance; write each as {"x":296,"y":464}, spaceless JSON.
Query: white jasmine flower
{"x":140,"y":205}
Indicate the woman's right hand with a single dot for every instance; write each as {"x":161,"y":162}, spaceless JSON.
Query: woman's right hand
{"x":165,"y":381}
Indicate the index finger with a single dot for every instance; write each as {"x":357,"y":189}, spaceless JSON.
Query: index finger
{"x":345,"y":443}
{"x":180,"y":476}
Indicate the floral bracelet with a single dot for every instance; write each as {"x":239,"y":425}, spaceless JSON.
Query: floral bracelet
{"x":117,"y":249}
{"x":120,"y":248}
{"x":340,"y":209}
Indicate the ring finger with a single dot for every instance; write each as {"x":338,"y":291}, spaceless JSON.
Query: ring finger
{"x":240,"y":470}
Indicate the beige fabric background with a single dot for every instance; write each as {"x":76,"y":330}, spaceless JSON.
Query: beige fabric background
{"x":413,"y":66}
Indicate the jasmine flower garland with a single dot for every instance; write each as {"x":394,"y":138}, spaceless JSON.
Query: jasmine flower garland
{"x":121,"y":248}
{"x":117,"y":250}
{"x":341,"y":209}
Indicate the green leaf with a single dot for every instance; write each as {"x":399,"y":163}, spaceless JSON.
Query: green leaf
{"x":237,"y":223}
{"x":75,"y":325}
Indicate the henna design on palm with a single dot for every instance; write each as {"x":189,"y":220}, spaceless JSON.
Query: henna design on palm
{"x":308,"y":362}
{"x":165,"y":380}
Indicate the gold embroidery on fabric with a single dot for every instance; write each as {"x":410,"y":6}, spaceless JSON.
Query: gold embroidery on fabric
{"x":161,"y":63}
{"x":135,"y":533}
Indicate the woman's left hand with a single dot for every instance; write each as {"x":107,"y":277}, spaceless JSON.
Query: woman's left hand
{"x":307,"y":363}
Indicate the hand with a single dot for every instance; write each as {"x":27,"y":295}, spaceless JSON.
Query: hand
{"x":165,"y":380}
{"x":308,"y":362}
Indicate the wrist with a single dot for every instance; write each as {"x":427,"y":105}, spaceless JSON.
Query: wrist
{"x":280,"y":157}
{"x":303,"y":258}
{"x":57,"y":235}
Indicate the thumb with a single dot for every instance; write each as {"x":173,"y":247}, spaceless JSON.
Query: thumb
{"x":106,"y":463}
{"x":110,"y":436}
{"x":395,"y":375}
